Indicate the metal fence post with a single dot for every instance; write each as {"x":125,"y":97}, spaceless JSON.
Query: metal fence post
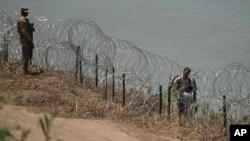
{"x":5,"y":44}
{"x":160,"y":109}
{"x":169,"y":99}
{"x":106,"y":83}
{"x":81,"y":79}
{"x":124,"y":90}
{"x":225,"y":111}
{"x":96,"y":71}
{"x":113,"y":85}
{"x":77,"y":60}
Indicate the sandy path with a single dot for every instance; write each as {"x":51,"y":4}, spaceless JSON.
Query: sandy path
{"x":73,"y":129}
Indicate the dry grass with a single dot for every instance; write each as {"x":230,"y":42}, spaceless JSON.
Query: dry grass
{"x":59,"y":93}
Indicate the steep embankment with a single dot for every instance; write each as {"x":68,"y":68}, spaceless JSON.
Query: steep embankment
{"x":81,"y":114}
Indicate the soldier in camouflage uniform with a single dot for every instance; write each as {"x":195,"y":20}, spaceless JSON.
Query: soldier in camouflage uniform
{"x":25,"y":29}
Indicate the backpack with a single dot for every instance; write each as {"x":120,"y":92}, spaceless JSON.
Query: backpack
{"x":189,"y":88}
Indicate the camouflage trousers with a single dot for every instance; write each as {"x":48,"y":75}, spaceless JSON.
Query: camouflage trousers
{"x":26,"y":55}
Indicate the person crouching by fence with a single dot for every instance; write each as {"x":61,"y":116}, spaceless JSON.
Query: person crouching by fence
{"x":25,"y":30}
{"x":186,"y":93}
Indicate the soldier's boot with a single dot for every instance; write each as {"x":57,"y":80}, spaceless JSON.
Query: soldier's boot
{"x":26,"y":67}
{"x":26,"y":71}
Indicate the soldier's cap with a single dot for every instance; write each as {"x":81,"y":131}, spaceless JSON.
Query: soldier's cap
{"x":25,"y":9}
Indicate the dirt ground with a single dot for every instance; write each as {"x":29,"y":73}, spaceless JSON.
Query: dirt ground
{"x":65,"y":129}
{"x":80,"y":111}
